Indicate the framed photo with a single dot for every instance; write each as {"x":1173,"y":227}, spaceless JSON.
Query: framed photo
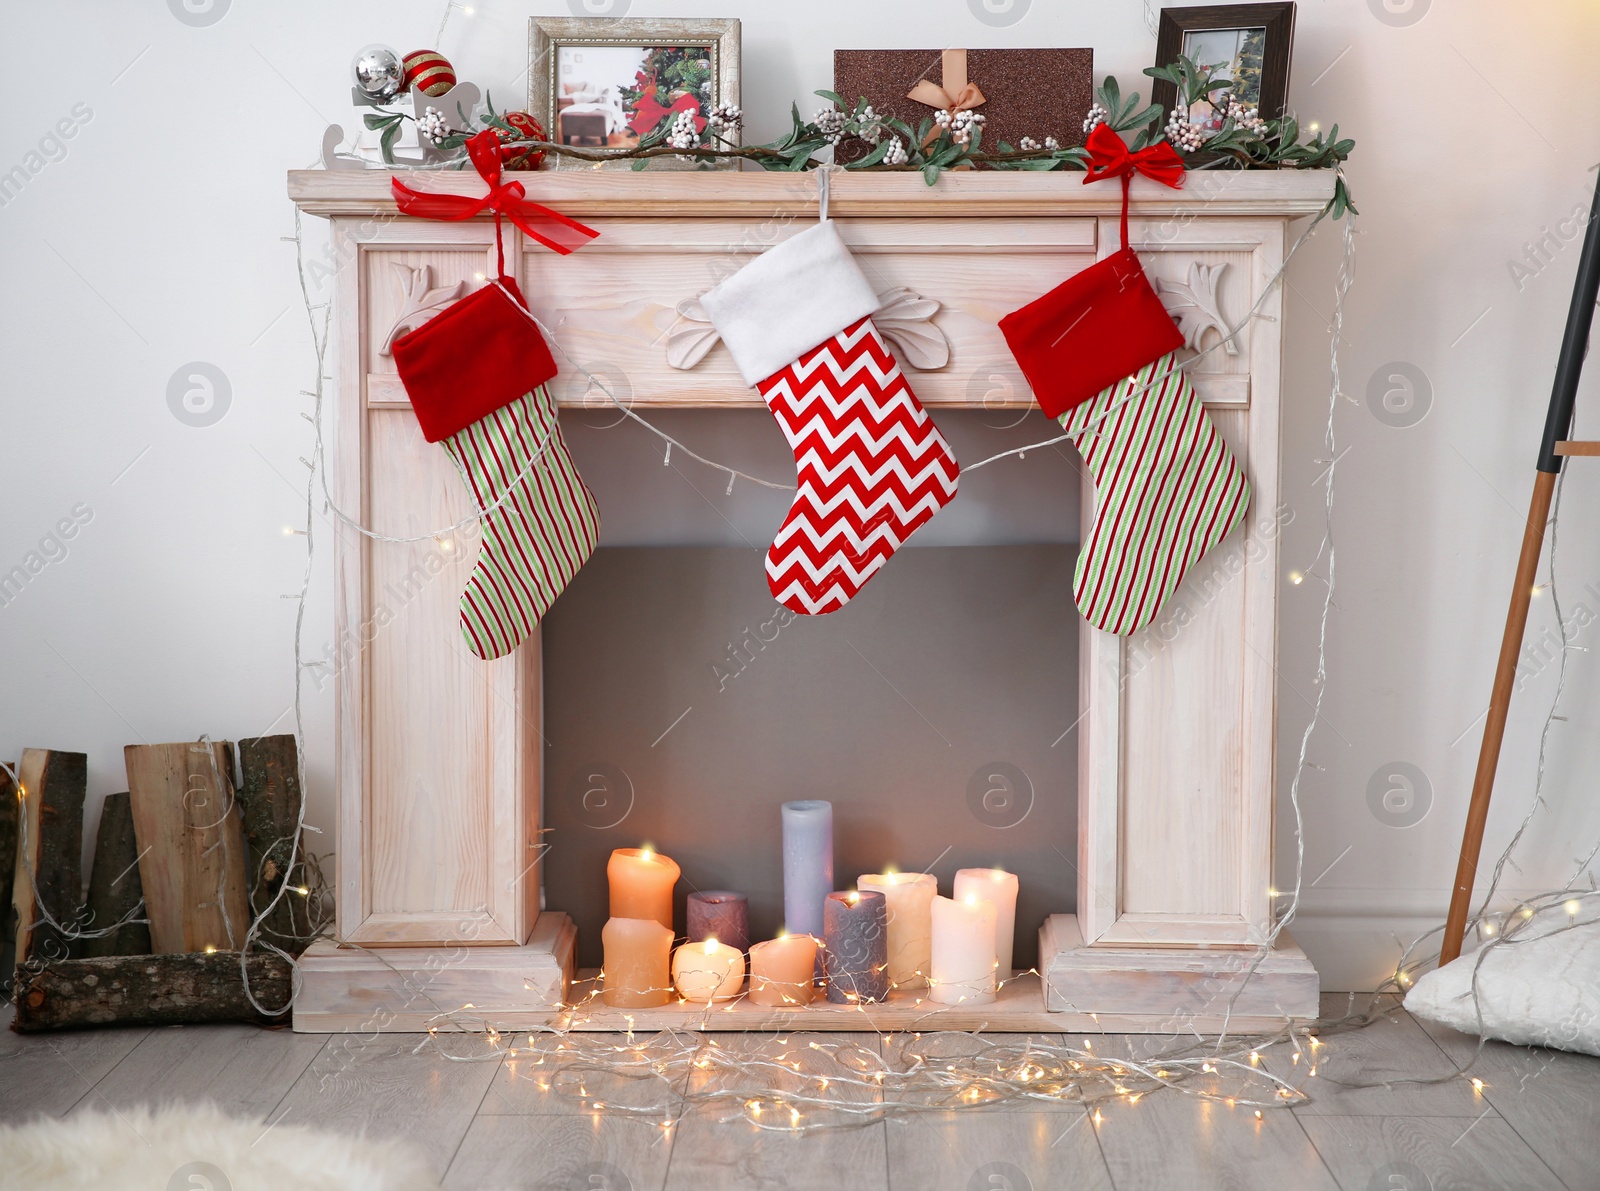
{"x":1248,"y":44}
{"x":605,"y":82}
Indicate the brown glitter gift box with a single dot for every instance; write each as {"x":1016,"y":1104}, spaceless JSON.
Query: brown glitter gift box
{"x":1036,"y":93}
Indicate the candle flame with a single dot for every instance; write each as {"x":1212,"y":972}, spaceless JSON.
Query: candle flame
{"x":647,"y":853}
{"x":853,"y":897}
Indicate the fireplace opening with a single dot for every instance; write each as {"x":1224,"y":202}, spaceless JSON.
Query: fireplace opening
{"x":936,"y":711}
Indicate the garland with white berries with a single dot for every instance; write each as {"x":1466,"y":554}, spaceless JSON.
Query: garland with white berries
{"x":944,"y":141}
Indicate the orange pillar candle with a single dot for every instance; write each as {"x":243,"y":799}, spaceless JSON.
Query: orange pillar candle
{"x":641,"y":884}
{"x":708,"y":971}
{"x":781,"y":971}
{"x":637,"y":955}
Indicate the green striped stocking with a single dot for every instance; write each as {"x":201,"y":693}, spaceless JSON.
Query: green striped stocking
{"x":534,"y":543}
{"x":1167,"y":489}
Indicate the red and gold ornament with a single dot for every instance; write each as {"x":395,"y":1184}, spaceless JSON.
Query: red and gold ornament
{"x":520,"y":157}
{"x":428,"y":71}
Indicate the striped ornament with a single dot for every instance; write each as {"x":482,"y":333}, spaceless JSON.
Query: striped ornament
{"x":1167,"y":489}
{"x":429,"y":72}
{"x":872,"y":468}
{"x":534,"y":543}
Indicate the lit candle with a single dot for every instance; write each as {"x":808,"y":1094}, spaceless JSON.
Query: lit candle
{"x":781,"y":970}
{"x":708,"y":971}
{"x":963,"y":951}
{"x":720,"y":914}
{"x":641,"y":884}
{"x":999,"y":887}
{"x":910,"y":901}
{"x":855,"y":947}
{"x":807,"y":864}
{"x":637,"y":958}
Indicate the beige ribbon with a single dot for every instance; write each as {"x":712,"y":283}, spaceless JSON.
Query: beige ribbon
{"x":957,"y":94}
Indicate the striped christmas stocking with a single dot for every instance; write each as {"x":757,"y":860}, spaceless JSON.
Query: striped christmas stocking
{"x":534,"y":543}
{"x":1167,"y":489}
{"x":477,"y":378}
{"x":872,"y":465}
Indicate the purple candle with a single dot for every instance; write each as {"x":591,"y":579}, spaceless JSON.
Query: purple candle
{"x":722,"y":915}
{"x":856,"y":946}
{"x":807,"y":864}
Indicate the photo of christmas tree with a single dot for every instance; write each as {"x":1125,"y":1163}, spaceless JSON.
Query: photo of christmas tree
{"x":1233,"y":54}
{"x":612,"y":95}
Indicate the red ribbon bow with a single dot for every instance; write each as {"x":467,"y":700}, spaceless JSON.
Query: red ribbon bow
{"x":554,"y":230}
{"x":1109,"y":158}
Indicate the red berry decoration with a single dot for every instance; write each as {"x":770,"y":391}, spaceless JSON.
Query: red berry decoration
{"x":519,"y":157}
{"x":428,"y":72}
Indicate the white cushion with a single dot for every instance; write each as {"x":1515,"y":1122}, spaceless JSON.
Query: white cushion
{"x":1540,"y":987}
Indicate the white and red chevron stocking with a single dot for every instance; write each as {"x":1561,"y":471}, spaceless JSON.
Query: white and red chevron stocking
{"x":872,"y":466}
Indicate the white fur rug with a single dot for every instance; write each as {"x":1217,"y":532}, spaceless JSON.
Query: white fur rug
{"x":199,"y":1148}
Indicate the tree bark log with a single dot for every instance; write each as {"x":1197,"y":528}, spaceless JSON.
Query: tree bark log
{"x":114,"y":889}
{"x":270,"y":797}
{"x":49,"y":871}
{"x":191,"y":845}
{"x":149,"y":990}
{"x":9,"y":807}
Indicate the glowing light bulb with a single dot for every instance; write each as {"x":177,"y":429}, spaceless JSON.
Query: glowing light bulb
{"x":1296,"y":578}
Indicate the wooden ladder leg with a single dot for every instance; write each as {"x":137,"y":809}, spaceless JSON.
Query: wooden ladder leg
{"x":1494,"y":728}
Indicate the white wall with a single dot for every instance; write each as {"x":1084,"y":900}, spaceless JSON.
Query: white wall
{"x":152,"y":238}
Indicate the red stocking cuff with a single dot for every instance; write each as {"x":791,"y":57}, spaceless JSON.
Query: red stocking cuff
{"x":1092,"y":330}
{"x":479,"y":355}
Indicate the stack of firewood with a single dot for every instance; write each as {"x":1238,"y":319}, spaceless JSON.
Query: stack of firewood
{"x":195,"y":887}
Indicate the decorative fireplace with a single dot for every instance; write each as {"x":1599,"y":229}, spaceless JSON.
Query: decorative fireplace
{"x":443,"y":760}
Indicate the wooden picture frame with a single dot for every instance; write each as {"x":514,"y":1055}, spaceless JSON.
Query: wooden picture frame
{"x":1179,"y":26}
{"x":558,"y":47}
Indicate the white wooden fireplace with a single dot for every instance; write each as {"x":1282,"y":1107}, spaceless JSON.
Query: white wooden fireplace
{"x":439,"y":754}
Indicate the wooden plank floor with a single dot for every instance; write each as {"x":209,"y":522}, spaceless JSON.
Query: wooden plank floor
{"x":493,"y":1123}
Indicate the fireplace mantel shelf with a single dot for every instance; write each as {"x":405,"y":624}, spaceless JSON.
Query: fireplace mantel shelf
{"x":440,"y":781}
{"x":968,"y":193}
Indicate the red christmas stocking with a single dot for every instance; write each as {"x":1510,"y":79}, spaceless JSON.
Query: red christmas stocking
{"x":1100,"y":352}
{"x":872,"y":466}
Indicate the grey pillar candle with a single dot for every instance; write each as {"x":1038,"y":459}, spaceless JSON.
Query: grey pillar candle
{"x":722,"y":915}
{"x":807,"y":864}
{"x":855,"y":946}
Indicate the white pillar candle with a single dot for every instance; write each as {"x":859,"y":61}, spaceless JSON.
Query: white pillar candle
{"x":999,"y":887}
{"x":708,"y":971}
{"x":963,"y":951}
{"x":910,"y":901}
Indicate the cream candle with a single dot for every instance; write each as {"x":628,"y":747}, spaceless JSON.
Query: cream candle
{"x":781,"y":970}
{"x":910,"y":908}
{"x":963,"y":951}
{"x":637,"y":952}
{"x":641,"y":881}
{"x":999,"y":887}
{"x":708,"y":971}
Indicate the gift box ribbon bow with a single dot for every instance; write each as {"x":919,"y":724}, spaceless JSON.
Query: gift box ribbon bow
{"x":957,"y":94}
{"x":554,"y":230}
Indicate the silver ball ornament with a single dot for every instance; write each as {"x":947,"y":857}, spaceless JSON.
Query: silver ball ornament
{"x":379,"y":73}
